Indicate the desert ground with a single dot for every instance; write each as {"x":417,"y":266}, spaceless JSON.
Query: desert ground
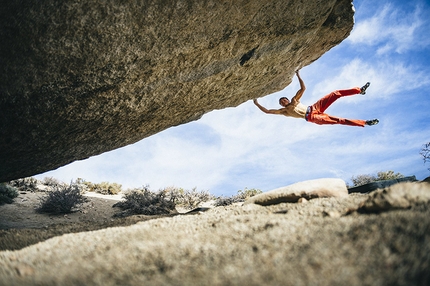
{"x":21,"y":225}
{"x":322,"y":241}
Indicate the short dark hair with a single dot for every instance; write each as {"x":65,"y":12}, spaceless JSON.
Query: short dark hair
{"x":283,"y":98}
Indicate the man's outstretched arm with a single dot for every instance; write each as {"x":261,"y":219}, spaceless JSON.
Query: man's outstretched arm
{"x":265,"y":110}
{"x":302,"y":89}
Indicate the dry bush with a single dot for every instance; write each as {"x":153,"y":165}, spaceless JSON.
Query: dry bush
{"x":63,"y":199}
{"x":388,"y":175}
{"x":106,"y":188}
{"x":247,"y":193}
{"x":225,"y":201}
{"x":143,"y":201}
{"x":28,"y":184}
{"x":362,"y":180}
{"x":52,"y":182}
{"x":7,"y":193}
{"x":381,"y":176}
{"x":186,"y":198}
{"x":240,"y":197}
{"x":86,"y":186}
{"x":81,"y":184}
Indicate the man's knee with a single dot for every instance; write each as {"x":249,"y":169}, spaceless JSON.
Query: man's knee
{"x":336,"y":93}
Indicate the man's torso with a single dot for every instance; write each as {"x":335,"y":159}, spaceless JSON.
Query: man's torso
{"x":297,"y":110}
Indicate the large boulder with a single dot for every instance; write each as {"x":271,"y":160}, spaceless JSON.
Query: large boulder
{"x":79,"y":78}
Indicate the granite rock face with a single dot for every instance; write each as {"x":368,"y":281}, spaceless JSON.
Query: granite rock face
{"x":79,"y":78}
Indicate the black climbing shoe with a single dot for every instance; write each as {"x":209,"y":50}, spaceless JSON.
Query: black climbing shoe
{"x":372,"y":122}
{"x":364,"y":87}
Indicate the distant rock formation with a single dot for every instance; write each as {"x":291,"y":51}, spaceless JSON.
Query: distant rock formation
{"x":79,"y":78}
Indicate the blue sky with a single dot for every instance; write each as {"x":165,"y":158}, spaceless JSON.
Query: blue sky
{"x":236,"y":148}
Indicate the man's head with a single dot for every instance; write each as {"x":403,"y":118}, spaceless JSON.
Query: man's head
{"x":284,"y":101}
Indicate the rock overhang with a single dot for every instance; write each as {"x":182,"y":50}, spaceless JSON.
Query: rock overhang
{"x":82,"y":78}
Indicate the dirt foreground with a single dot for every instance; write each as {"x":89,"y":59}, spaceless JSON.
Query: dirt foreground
{"x":318,"y":242}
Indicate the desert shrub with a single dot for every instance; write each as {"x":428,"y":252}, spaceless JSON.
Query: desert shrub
{"x":7,"y":193}
{"x":28,"y":184}
{"x":381,"y":176}
{"x":388,"y":175}
{"x":106,"y":188}
{"x":247,"y":193}
{"x":81,"y":184}
{"x":362,"y":180}
{"x":225,"y":201}
{"x":173,"y":194}
{"x":87,"y":186}
{"x":191,"y":199}
{"x":61,"y":200}
{"x":240,"y":197}
{"x":187,"y":199}
{"x":143,"y":201}
{"x":51,"y":182}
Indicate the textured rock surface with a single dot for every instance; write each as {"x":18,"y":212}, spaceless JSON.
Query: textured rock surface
{"x":78,"y":78}
{"x":319,"y":188}
{"x":399,"y":196}
{"x":313,"y":243}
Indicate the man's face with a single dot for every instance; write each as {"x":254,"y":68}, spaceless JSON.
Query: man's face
{"x":284,"y":102}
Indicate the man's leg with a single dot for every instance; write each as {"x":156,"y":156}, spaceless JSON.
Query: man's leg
{"x":322,"y":104}
{"x":323,"y":118}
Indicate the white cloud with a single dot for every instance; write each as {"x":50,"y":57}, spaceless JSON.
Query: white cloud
{"x":387,"y":78}
{"x":392,"y":29}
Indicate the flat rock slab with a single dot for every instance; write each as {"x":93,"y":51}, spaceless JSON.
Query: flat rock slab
{"x":319,"y":188}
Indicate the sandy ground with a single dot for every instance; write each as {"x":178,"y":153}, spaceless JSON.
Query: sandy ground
{"x":21,"y":225}
{"x":323,"y":241}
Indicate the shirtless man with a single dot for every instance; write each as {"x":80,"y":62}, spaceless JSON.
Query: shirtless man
{"x":315,"y":113}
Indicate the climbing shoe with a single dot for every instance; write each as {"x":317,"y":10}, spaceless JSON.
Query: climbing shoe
{"x":372,"y":122}
{"x":364,"y":87}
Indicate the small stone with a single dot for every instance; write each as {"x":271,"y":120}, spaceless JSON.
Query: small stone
{"x":24,"y":270}
{"x":333,"y":214}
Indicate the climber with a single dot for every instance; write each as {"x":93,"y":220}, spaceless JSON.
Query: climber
{"x":315,"y":113}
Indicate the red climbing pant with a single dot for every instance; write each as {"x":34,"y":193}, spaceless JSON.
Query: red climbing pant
{"x":315,"y":112}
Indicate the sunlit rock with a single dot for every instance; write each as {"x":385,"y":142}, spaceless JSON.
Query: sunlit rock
{"x":79,"y":78}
